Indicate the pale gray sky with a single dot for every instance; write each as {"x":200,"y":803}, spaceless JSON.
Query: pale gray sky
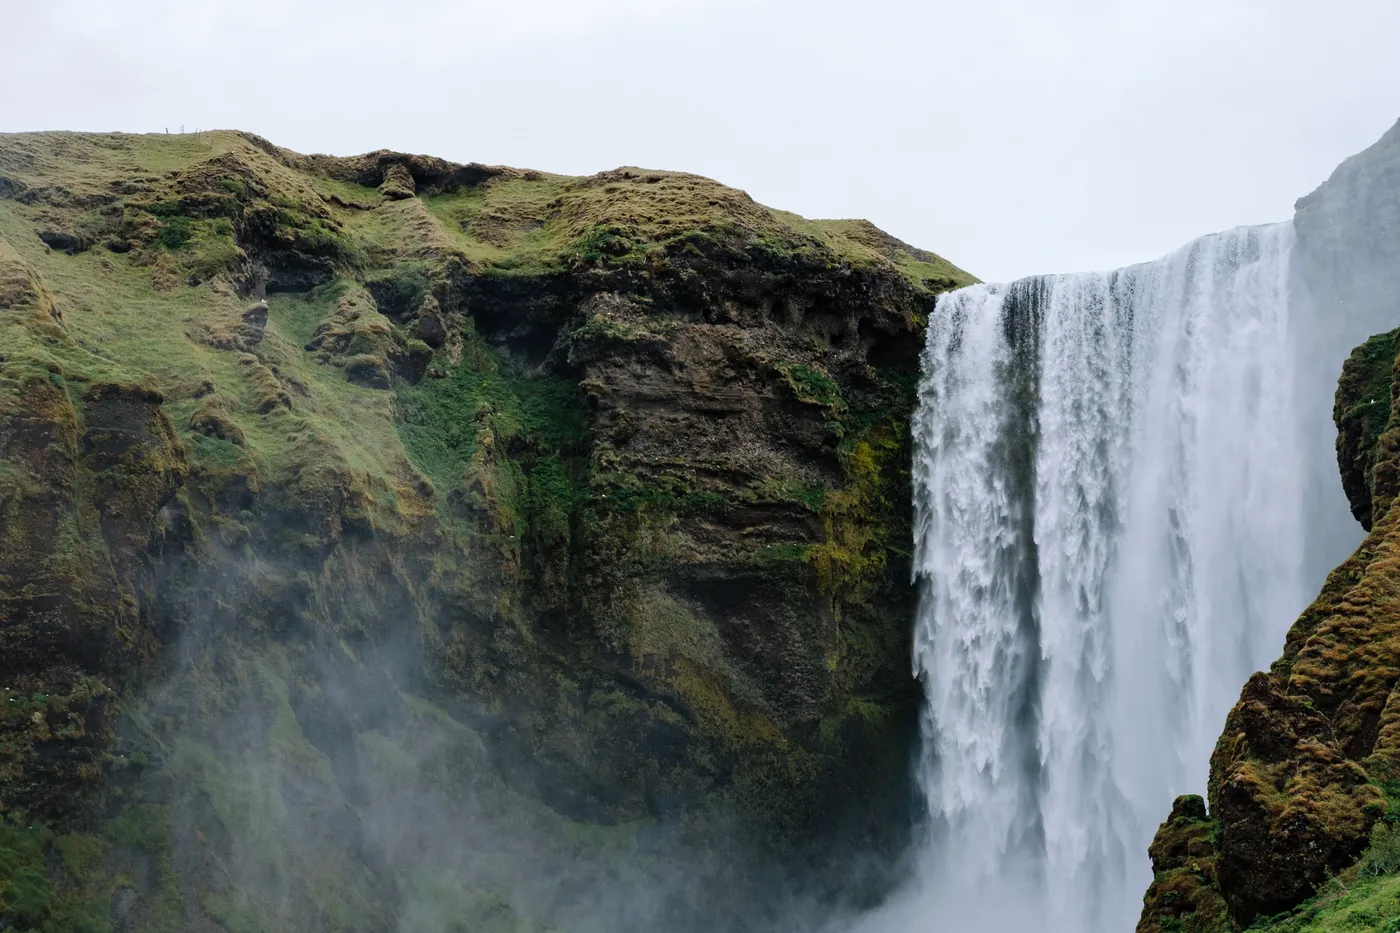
{"x":1013,"y":136}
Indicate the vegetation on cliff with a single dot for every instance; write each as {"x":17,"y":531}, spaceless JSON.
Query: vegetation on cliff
{"x":576,"y":508}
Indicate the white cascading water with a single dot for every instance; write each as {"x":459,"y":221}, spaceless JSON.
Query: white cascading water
{"x":1109,"y":484}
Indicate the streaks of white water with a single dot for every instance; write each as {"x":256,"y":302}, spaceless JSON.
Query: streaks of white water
{"x":1085,"y":409}
{"x":971,"y":670}
{"x":1109,"y":485}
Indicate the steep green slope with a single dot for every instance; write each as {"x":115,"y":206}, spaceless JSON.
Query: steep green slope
{"x":535,"y":528}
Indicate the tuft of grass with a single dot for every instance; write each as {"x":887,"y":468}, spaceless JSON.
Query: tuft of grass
{"x":787,"y":489}
{"x":813,"y":386}
{"x":537,"y":224}
{"x":175,"y":232}
{"x":1382,"y":857}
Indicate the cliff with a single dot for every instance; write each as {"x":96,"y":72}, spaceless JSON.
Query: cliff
{"x":1304,"y":792}
{"x":533,"y":536}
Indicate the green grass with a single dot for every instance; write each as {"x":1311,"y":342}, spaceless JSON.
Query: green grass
{"x":1368,"y":906}
{"x":175,"y":232}
{"x":115,"y":310}
{"x":87,"y":162}
{"x":811,"y":496}
{"x":532,"y":221}
{"x":545,"y":223}
{"x":504,"y":223}
{"x":861,"y":243}
{"x":1370,"y":371}
{"x":813,"y":386}
{"x":444,"y":421}
{"x":60,"y":883}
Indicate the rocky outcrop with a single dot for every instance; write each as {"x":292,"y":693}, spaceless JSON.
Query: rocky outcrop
{"x":1367,"y":447}
{"x":88,"y":466}
{"x":576,"y":509}
{"x":1184,"y":896}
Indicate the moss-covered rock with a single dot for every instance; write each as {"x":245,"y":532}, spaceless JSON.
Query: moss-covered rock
{"x":577,"y":508}
{"x":1366,"y":446}
{"x":1184,"y":896}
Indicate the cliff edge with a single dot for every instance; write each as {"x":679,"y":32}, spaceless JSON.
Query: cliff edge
{"x":374,"y":525}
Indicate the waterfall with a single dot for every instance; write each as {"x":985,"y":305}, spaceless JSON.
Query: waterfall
{"x":1110,"y":479}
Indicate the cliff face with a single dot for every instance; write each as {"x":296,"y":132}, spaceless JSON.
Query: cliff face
{"x":528,"y":514}
{"x":1304,"y":789}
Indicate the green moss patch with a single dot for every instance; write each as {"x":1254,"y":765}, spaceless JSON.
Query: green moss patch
{"x":484,"y":401}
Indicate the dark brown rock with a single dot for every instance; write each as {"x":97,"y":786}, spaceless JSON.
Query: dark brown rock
{"x":369,"y":371}
{"x":1291,"y":807}
{"x":64,"y":240}
{"x":429,"y":327}
{"x":71,"y":596}
{"x":212,"y":419}
{"x":253,"y":326}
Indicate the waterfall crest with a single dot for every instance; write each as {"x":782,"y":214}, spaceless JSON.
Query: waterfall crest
{"x":1110,"y":482}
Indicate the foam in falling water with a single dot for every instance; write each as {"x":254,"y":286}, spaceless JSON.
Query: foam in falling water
{"x":1109,"y":494}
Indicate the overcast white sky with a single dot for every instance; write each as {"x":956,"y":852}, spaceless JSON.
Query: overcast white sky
{"x":1013,"y":136}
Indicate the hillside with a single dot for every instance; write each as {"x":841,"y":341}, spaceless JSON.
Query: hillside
{"x":530,"y":518}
